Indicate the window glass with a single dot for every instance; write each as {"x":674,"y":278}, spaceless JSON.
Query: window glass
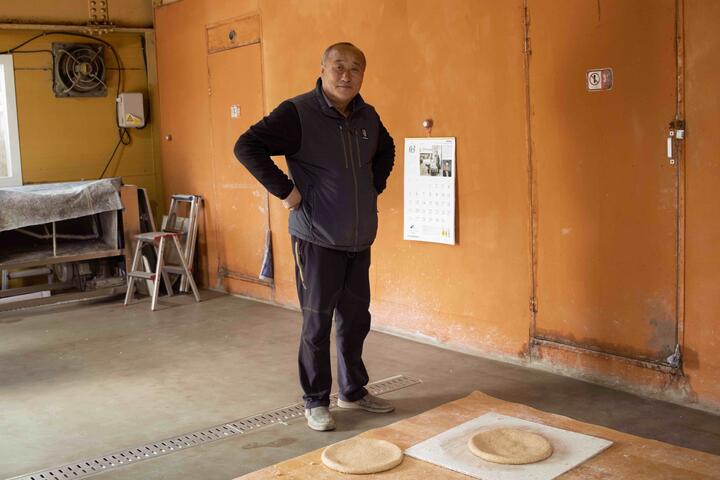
{"x":10,"y":164}
{"x":4,"y":134}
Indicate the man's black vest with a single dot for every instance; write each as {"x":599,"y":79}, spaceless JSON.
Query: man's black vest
{"x":333,"y":171}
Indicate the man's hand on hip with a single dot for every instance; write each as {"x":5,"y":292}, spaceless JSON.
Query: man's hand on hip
{"x":292,"y":201}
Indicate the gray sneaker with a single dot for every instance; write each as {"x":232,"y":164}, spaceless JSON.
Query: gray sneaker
{"x":369,"y":403}
{"x":319,"y":419}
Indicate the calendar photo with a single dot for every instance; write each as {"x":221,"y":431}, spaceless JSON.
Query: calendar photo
{"x":430,"y":190}
{"x":432,"y":164}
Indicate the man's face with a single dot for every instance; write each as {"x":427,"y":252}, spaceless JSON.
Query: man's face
{"x":342,"y":75}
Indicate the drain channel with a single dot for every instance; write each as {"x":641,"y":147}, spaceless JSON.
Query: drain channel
{"x":103,"y":463}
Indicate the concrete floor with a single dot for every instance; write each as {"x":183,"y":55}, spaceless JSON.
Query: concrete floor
{"x":83,"y":380}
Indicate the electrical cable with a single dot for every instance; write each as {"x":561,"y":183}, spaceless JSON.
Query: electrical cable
{"x":34,"y":51}
{"x":122,"y":132}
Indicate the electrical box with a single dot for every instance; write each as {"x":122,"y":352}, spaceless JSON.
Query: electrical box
{"x":131,"y":112}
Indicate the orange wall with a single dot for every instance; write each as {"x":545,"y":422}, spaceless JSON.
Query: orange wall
{"x":702,"y":252}
{"x":474,"y":294}
{"x":463,"y":66}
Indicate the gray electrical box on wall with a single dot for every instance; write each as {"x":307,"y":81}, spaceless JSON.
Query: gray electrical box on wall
{"x":131,"y":113}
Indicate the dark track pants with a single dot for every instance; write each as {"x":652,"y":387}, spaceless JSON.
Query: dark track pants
{"x":332,"y":281}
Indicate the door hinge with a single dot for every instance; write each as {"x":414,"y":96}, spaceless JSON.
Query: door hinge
{"x":533,"y":305}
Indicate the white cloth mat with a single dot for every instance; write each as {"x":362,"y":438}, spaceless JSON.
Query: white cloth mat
{"x":449,"y":450}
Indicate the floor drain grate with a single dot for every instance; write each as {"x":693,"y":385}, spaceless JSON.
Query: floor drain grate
{"x":103,"y":463}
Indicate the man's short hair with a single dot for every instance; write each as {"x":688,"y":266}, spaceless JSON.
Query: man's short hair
{"x":348,"y":45}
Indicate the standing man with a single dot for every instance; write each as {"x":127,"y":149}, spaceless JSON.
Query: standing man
{"x":339,"y":155}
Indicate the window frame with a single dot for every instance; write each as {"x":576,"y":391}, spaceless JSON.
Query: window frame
{"x":15,"y":163}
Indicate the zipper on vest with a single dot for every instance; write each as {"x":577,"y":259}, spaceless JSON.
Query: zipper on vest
{"x":352,"y":166}
{"x":342,"y":136}
{"x":357,"y":146}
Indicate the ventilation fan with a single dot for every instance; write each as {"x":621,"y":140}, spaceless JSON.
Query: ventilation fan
{"x":79,"y":70}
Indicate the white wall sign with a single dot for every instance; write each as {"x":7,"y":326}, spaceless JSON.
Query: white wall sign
{"x":599,"y":79}
{"x":430,"y":190}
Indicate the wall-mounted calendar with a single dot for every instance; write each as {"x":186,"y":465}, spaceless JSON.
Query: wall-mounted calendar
{"x":430,"y":189}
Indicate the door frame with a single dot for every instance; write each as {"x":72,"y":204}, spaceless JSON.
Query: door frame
{"x":537,"y":342}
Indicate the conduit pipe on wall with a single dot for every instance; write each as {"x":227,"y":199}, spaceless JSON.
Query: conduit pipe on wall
{"x":72,"y":28}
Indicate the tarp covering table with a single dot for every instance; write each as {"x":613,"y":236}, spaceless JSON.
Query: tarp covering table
{"x":630,"y":457}
{"x":51,"y":202}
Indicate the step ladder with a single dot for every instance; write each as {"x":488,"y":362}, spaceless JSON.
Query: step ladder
{"x":186,"y":226}
{"x":173,"y":229}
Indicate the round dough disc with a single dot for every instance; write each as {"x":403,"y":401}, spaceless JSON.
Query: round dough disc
{"x":511,"y":446}
{"x":362,"y":455}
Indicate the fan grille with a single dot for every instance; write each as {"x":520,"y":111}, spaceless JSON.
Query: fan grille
{"x":79,"y":70}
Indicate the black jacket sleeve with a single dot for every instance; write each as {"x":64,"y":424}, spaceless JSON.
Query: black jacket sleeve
{"x":277,"y":134}
{"x":382,"y":163}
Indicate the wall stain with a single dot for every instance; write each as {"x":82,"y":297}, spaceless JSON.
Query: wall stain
{"x":662,"y":336}
{"x":525,"y":351}
{"x":613,"y":348}
{"x":663,"y":331}
{"x":690,"y":358}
